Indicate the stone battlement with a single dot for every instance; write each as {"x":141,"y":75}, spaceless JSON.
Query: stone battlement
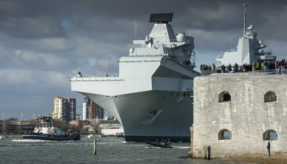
{"x":239,"y":114}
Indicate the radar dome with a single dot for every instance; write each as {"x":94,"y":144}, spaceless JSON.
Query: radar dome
{"x":180,"y":37}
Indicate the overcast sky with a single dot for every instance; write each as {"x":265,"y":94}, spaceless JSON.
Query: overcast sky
{"x":45,"y":42}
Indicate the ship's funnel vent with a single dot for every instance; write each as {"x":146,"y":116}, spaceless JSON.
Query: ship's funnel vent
{"x":161,"y":18}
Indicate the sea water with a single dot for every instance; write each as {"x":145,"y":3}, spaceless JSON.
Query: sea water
{"x":109,"y":150}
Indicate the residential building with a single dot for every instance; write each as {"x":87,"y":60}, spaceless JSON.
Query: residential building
{"x":91,"y":110}
{"x":64,"y":109}
{"x":72,"y":108}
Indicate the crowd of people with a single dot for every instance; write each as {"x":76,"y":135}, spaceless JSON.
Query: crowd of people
{"x":278,"y":67}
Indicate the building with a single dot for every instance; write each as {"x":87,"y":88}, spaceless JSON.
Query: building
{"x":91,"y":110}
{"x":100,"y":112}
{"x":85,"y":110}
{"x":79,"y":124}
{"x":16,"y":127}
{"x":236,"y":114}
{"x":72,"y":108}
{"x":64,"y":109}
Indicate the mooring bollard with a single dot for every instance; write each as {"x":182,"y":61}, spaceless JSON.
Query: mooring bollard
{"x":95,"y":144}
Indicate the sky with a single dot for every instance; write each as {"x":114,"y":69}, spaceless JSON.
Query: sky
{"x":43,"y":43}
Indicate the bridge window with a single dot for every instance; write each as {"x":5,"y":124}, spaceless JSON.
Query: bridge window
{"x":224,"y":134}
{"x":270,"y":97}
{"x":270,"y":135}
{"x":224,"y":96}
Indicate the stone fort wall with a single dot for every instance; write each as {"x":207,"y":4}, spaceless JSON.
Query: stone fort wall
{"x":246,"y":115}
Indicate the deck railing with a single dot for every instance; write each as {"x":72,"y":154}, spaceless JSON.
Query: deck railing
{"x":218,"y":70}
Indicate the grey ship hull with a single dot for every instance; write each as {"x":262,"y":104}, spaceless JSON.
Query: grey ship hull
{"x":172,"y":120}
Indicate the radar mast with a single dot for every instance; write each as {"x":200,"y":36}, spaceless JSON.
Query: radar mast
{"x":244,"y":14}
{"x":107,"y":71}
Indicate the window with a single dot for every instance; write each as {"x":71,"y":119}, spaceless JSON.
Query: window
{"x":270,"y":97}
{"x":224,"y":96}
{"x":270,"y":135}
{"x":224,"y":134}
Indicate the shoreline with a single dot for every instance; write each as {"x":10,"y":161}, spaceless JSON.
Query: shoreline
{"x":275,"y":158}
{"x":279,"y":157}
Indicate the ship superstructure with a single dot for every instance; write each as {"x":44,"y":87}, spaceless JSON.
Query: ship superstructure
{"x":152,"y":97}
{"x":249,"y":49}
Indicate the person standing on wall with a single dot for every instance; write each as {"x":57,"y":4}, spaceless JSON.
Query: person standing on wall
{"x":269,"y":148}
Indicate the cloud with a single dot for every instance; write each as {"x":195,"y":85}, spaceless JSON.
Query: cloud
{"x":275,"y":24}
{"x":214,"y":40}
{"x":32,"y":91}
{"x":51,"y":44}
{"x":219,"y":16}
{"x":30,"y":60}
{"x":276,"y":47}
{"x":18,"y":80}
{"x":31,"y":27}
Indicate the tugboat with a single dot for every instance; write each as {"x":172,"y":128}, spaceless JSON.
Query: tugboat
{"x":48,"y":132}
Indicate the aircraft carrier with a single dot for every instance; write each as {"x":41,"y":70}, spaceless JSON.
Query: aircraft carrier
{"x":153,"y":95}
